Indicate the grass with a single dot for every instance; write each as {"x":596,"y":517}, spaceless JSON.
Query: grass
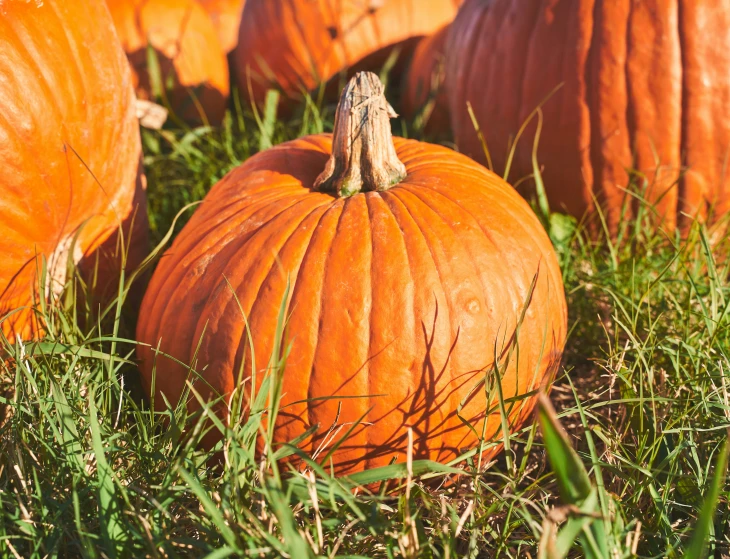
{"x":631,"y":465}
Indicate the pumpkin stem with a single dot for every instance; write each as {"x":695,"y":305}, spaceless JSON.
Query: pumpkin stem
{"x":363,"y":155}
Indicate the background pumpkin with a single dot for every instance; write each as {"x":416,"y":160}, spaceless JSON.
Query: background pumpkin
{"x":317,"y":39}
{"x":226,"y":17}
{"x":400,"y":296}
{"x":645,"y":86}
{"x":187,"y":48}
{"x":70,"y":155}
{"x":424,"y":94}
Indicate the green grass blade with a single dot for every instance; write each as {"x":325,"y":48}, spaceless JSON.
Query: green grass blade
{"x":570,"y":473}
{"x":109,"y":509}
{"x":697,"y":547}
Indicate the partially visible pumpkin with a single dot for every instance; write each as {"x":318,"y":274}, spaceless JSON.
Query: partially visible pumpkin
{"x":297,"y":45}
{"x":424,"y":95}
{"x":187,"y":49}
{"x":70,"y":154}
{"x":645,"y":86}
{"x":411,"y":269}
{"x":226,"y":17}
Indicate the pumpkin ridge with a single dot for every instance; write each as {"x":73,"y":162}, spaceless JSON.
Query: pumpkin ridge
{"x":161,"y":306}
{"x":446,"y":367}
{"x":408,"y":315}
{"x":466,"y":249}
{"x":631,"y":124}
{"x":238,"y":208}
{"x":657,"y":151}
{"x":258,"y":301}
{"x":311,"y":419}
{"x":630,"y":109}
{"x":609,"y":110}
{"x":234,"y":219}
{"x":587,"y":74}
{"x":476,"y":225}
{"x":507,"y":209}
{"x":353,"y":358}
{"x":704,"y":45}
{"x":367,"y":448}
{"x":210,"y":309}
{"x":292,"y":303}
{"x":583,"y":120}
{"x":683,"y":150}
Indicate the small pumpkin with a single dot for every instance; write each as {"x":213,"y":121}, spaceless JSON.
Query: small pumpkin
{"x":644,"y":86}
{"x":187,"y":49}
{"x":411,"y":267}
{"x":226,"y":18}
{"x":424,"y":95}
{"x":297,"y":45}
{"x":70,"y":153}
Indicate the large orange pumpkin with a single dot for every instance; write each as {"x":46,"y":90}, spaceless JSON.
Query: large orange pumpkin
{"x":645,"y":85}
{"x":296,"y":45}
{"x":226,"y":17}
{"x":410,"y":267}
{"x":424,"y":95}
{"x":70,"y":154}
{"x":187,"y":48}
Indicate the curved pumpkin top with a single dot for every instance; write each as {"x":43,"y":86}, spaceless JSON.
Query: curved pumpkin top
{"x":226,"y":17}
{"x":404,"y":287}
{"x":69,"y":142}
{"x":317,"y":39}
{"x":187,"y":47}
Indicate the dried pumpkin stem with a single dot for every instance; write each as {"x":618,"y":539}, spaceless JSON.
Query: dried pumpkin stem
{"x":363,"y":155}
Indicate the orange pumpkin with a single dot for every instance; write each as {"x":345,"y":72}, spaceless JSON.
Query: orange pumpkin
{"x":410,"y":268}
{"x":70,"y":154}
{"x":226,"y":17}
{"x":424,"y":95}
{"x":296,"y":45}
{"x":644,"y":86}
{"x":188,"y":51}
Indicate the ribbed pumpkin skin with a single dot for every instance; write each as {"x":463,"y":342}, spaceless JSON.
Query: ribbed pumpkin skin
{"x":70,"y":152}
{"x":226,"y":18}
{"x":397,"y":298}
{"x":315,"y":40}
{"x":425,"y":83}
{"x":646,"y":86}
{"x":187,"y":48}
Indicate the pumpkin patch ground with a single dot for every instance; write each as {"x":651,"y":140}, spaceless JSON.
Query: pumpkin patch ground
{"x":353,"y":342}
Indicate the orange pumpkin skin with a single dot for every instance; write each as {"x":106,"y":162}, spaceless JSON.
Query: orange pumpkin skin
{"x":70,"y":154}
{"x":424,"y":85}
{"x":187,"y":48}
{"x":645,"y":86}
{"x":316,"y":40}
{"x":397,"y":299}
{"x":226,"y":17}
